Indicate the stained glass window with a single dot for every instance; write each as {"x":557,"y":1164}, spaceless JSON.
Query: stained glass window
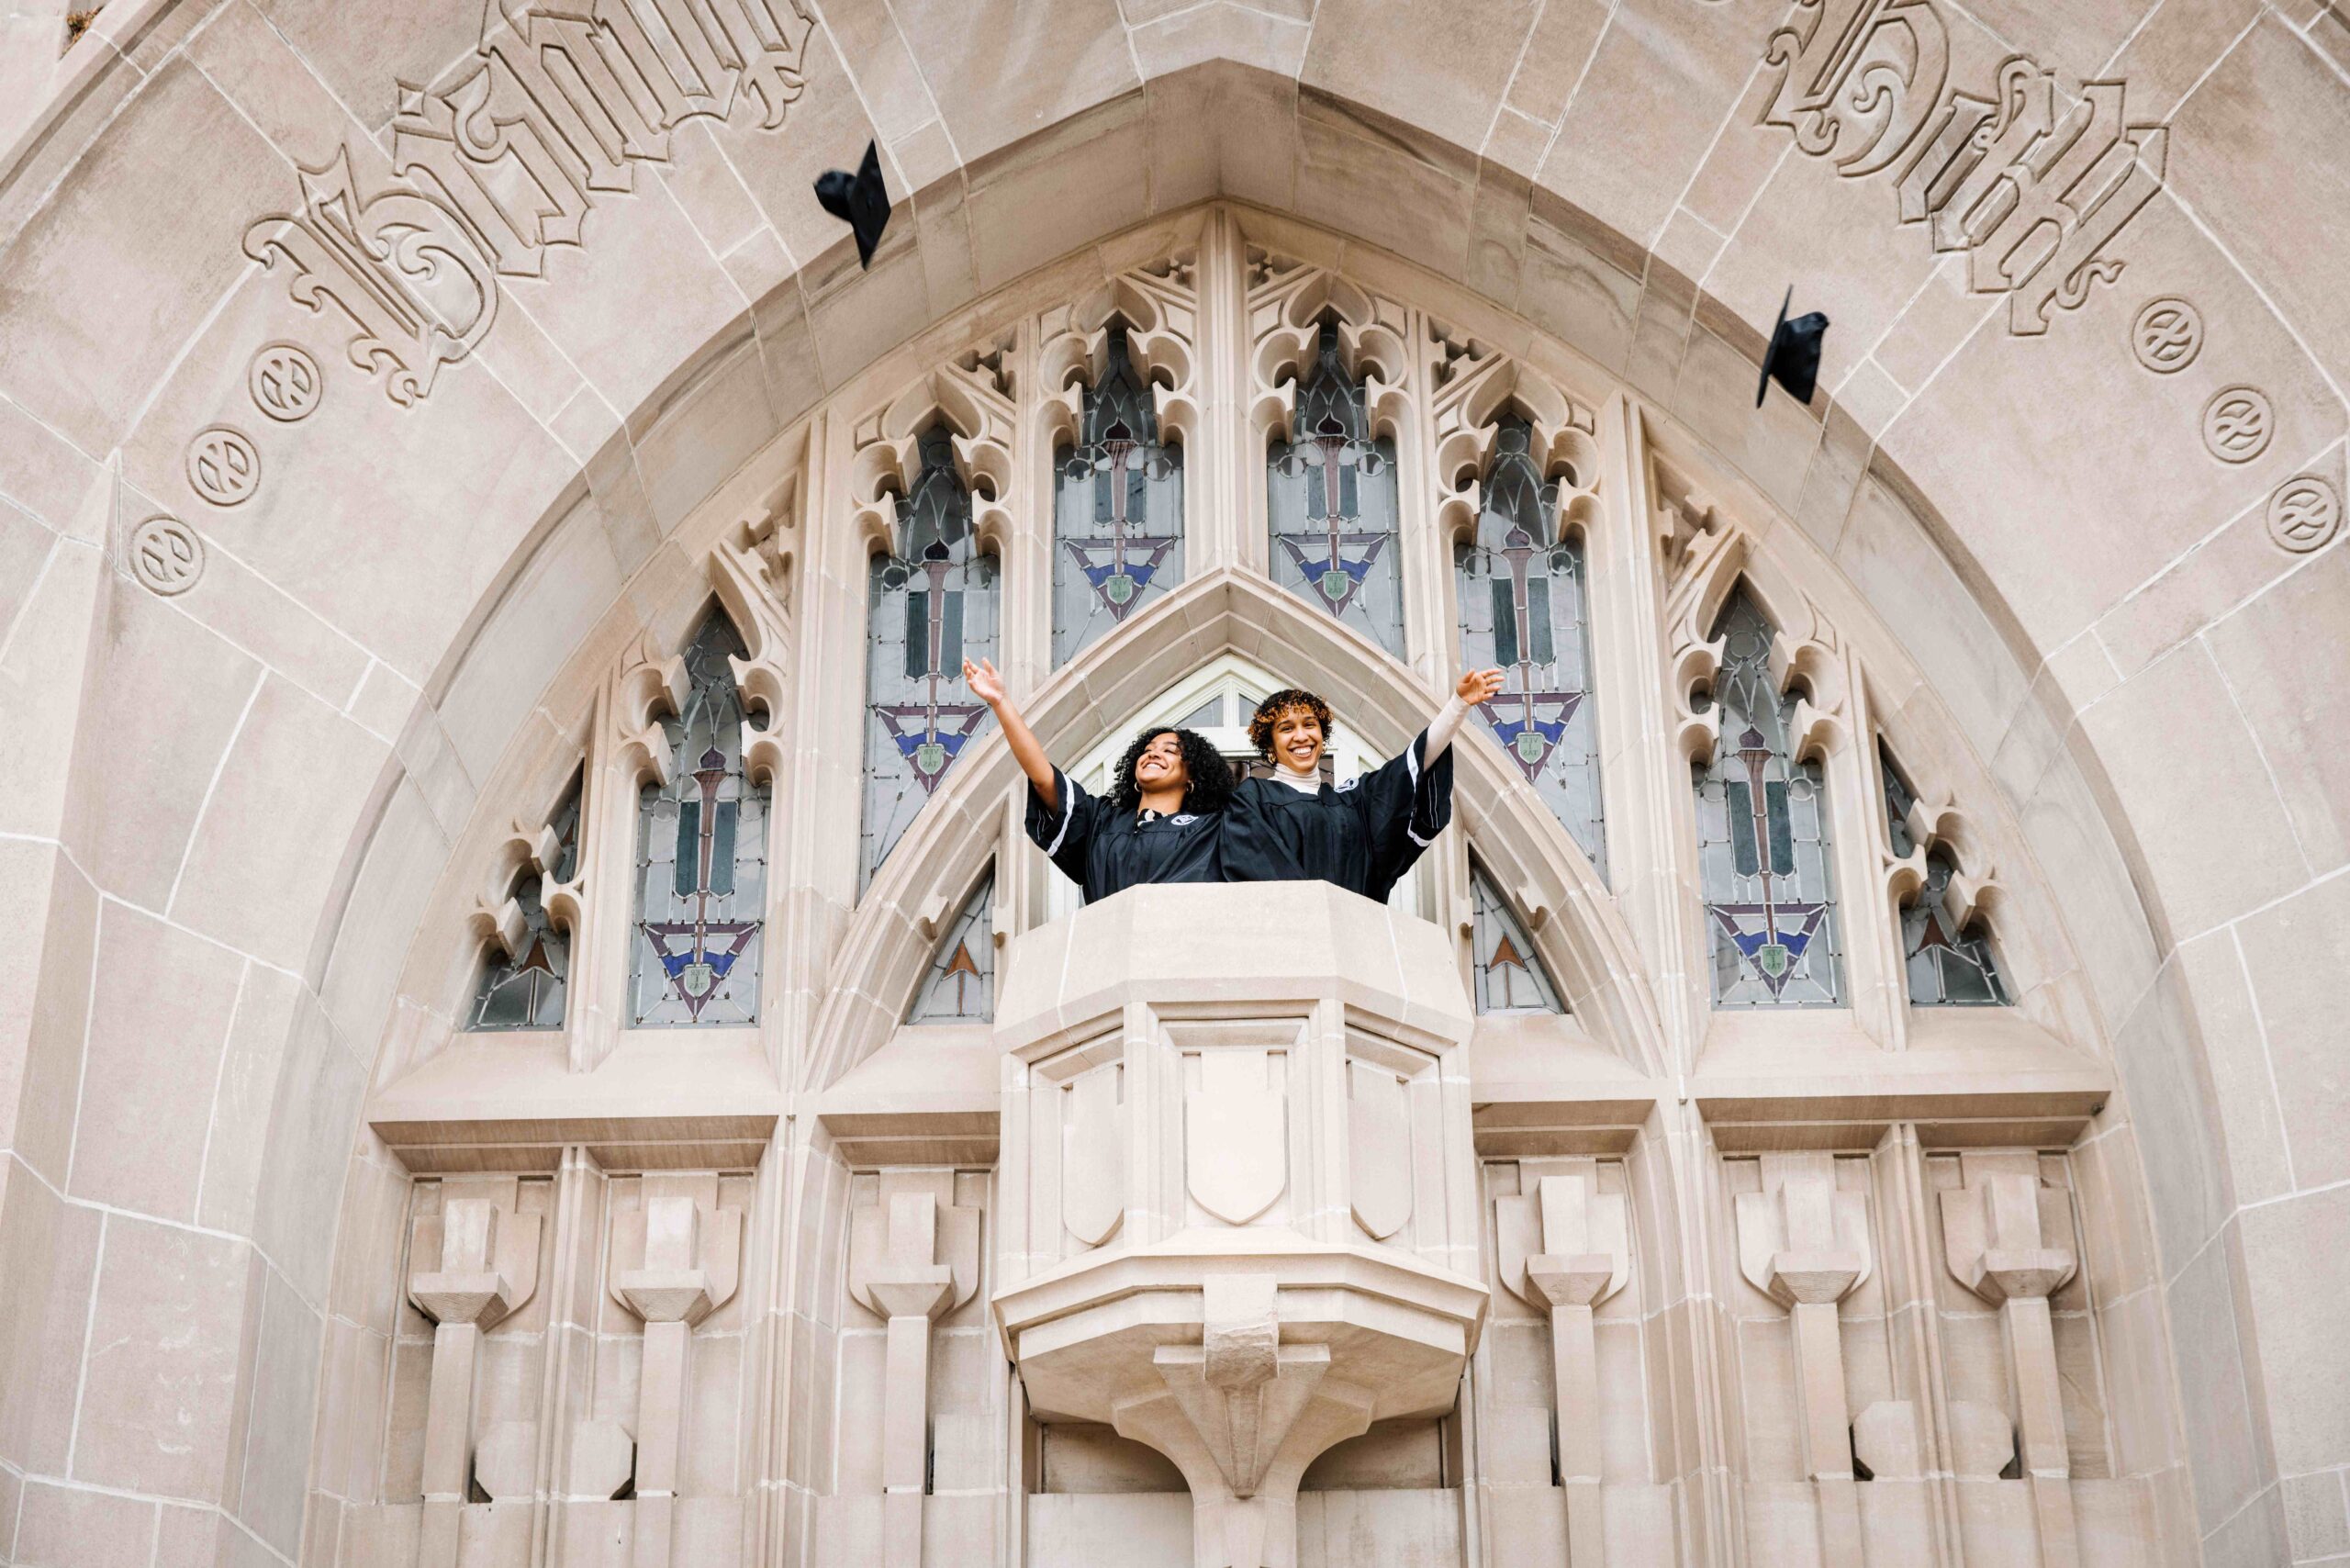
{"x":1762,"y":837}
{"x":1522,"y":607}
{"x":1331,"y":497}
{"x":1948,"y":967}
{"x":1508,"y":972}
{"x":1118,"y":510}
{"x":960,"y":986}
{"x":931,"y":607}
{"x":524,"y":990}
{"x":701,"y":856}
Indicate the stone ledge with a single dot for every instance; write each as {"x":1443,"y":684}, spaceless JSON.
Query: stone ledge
{"x":513,"y":1104}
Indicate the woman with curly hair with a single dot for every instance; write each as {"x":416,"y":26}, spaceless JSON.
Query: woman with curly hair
{"x":1362,"y":835}
{"x":1159,"y":822}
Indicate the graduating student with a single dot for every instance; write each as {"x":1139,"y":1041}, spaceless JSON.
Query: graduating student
{"x":1159,"y":822}
{"x":1364,"y":833}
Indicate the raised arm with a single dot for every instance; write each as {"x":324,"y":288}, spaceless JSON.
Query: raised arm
{"x":1475,"y":686}
{"x":1026,"y":750}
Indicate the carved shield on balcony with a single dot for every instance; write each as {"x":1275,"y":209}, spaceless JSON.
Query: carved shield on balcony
{"x":1093,"y":1187}
{"x":1378,"y":1143}
{"x":1235,"y":1155}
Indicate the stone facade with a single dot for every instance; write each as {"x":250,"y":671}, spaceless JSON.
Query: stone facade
{"x":417,"y":421}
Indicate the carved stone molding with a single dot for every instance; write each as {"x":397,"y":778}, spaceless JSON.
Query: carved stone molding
{"x":911,"y":1260}
{"x":1159,"y":306}
{"x":1706,"y":553}
{"x":1474,"y":389}
{"x":1804,"y":1241}
{"x":1286,"y":305}
{"x":969,"y":395}
{"x":472,"y":1263}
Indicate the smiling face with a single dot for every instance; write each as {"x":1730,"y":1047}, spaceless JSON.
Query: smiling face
{"x":1161,"y":766}
{"x":1297,"y":738}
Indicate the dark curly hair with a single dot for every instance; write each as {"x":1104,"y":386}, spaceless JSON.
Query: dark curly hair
{"x":1210,"y":779}
{"x":1261,"y":728}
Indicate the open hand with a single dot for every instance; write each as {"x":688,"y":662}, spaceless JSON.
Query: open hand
{"x":987,"y":684}
{"x":1478,"y":685}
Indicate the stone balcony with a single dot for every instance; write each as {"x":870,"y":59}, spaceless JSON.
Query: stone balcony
{"x":1238,"y":1207}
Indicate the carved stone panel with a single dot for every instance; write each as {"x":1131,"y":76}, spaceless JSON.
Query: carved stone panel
{"x":1235,"y":1132}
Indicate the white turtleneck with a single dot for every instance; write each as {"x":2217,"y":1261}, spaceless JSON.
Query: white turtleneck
{"x":1441,"y":729}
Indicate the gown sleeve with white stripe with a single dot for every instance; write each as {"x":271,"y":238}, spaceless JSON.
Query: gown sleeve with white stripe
{"x":1363,"y":834}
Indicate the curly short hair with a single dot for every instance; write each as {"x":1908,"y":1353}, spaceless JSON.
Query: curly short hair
{"x":1210,"y":778}
{"x":1269,"y":712}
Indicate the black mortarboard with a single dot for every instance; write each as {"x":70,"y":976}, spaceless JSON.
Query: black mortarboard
{"x":859,"y":200}
{"x":1793,"y":358}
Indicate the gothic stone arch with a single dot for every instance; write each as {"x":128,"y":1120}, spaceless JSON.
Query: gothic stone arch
{"x":321,"y":706}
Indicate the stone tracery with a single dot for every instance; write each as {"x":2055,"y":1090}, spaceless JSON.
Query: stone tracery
{"x":1540,"y":984}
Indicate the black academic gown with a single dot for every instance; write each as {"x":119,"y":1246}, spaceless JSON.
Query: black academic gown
{"x":1363,"y":834}
{"x":1104,"y":850}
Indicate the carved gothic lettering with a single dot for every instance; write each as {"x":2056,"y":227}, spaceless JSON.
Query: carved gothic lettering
{"x":1863,"y":81}
{"x":2032,"y":189}
{"x":506,"y":154}
{"x":403,"y":269}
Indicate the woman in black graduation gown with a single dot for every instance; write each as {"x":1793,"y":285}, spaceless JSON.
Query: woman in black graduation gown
{"x":1159,"y":822}
{"x":1362,"y":835}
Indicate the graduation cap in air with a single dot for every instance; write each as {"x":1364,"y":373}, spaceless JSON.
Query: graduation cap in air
{"x":1793,"y":358}
{"x":862,"y":201}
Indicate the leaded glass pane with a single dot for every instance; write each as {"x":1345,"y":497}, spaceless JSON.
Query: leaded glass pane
{"x":1117,"y":510}
{"x":960,"y":986}
{"x":1947,"y":967}
{"x":1522,"y":607}
{"x":928,"y":609}
{"x":525,"y":990}
{"x":700,"y":857}
{"x":1762,"y":844}
{"x":1508,"y":974}
{"x":1331,"y":497}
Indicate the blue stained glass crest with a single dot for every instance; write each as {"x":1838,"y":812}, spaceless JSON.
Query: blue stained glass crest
{"x":928,"y":609}
{"x":1762,"y":841}
{"x":701,"y":856}
{"x":1118,"y":510}
{"x":1522,"y":605}
{"x":1330,"y":496}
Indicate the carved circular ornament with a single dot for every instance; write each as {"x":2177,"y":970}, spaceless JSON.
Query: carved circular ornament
{"x":165,"y":555}
{"x":2237,"y":423}
{"x":2303,"y":514}
{"x":285,"y":383}
{"x":223,"y":466}
{"x":2168,"y":334}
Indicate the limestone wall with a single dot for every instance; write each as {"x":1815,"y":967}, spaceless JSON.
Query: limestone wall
{"x":306,"y":593}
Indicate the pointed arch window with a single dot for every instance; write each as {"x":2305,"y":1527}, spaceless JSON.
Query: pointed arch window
{"x":1763,"y":843}
{"x":1523,"y":606}
{"x":525,"y":990}
{"x":1331,"y":499}
{"x":960,"y":985}
{"x":1947,"y":967}
{"x":701,"y":856}
{"x":1508,"y":974}
{"x":1117,"y":510}
{"x":930,"y":607}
